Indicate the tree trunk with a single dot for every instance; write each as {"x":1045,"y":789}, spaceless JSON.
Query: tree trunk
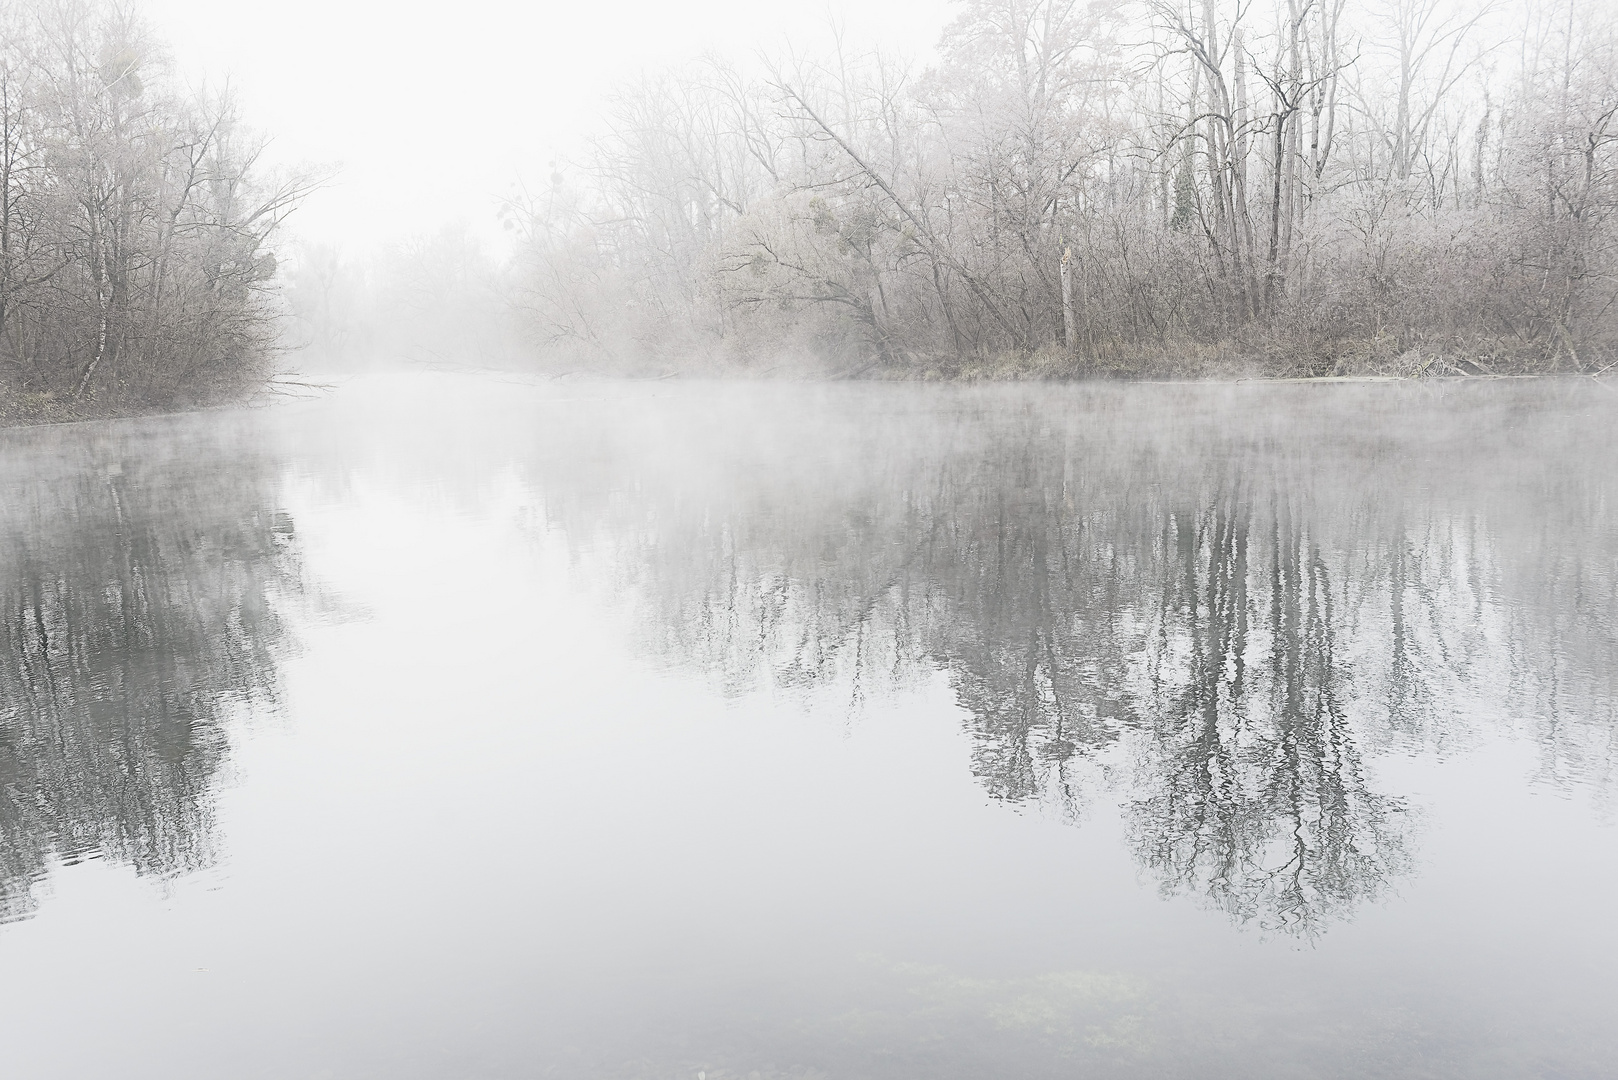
{"x":1070,"y":326}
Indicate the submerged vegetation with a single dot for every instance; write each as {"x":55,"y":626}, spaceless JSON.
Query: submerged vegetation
{"x":1297,"y":187}
{"x":135,"y":266}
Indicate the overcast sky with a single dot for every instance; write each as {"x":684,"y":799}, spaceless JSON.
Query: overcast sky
{"x":432,"y":108}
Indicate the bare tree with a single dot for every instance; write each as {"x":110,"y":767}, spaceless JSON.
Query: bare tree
{"x":134,"y":229}
{"x":1298,"y":186}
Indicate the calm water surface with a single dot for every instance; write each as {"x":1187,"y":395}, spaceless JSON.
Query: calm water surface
{"x":455,"y":727}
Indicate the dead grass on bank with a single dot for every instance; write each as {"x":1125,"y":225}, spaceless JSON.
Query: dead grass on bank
{"x":29,"y":410}
{"x":1232,"y":360}
{"x":18,"y":410}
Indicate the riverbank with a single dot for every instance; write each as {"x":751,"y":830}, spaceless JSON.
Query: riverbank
{"x":34,"y":410}
{"x":1230,"y":361}
{"x":25,"y":411}
{"x":1277,"y":357}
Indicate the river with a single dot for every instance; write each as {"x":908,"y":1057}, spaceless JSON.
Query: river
{"x":459,"y":726}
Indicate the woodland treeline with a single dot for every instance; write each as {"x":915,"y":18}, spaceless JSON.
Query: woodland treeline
{"x":1176,"y":186}
{"x":135,"y":265}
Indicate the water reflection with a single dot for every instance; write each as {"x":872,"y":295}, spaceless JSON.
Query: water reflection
{"x":139,"y":574}
{"x":1253,"y":788}
{"x":1215,"y":607}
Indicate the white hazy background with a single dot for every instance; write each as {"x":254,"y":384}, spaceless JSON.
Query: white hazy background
{"x":428,"y":112}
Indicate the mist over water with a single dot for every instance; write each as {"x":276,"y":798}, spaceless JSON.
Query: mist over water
{"x":667,"y":565}
{"x":457,"y":726}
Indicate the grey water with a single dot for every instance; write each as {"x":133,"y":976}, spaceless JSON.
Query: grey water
{"x":452,"y":726}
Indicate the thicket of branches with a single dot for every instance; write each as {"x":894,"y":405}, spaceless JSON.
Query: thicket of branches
{"x":134,"y":264}
{"x":1300,"y":185}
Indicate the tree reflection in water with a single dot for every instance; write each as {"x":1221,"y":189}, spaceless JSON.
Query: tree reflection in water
{"x":1239,"y":597}
{"x":1254,"y":790}
{"x":1213,"y":607}
{"x":138,"y":583}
